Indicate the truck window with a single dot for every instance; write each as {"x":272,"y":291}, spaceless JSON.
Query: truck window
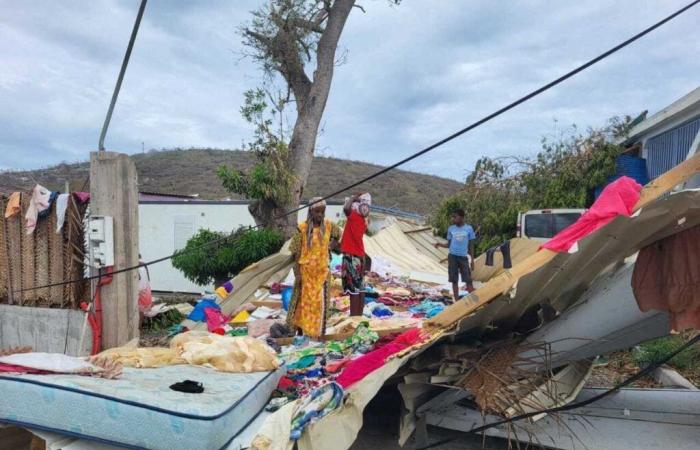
{"x":538,"y":226}
{"x":563,"y":220}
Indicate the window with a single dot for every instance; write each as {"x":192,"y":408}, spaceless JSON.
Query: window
{"x":563,"y":220}
{"x":538,"y":225}
{"x":183,"y":230}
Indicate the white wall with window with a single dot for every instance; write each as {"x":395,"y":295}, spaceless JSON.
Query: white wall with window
{"x":166,"y":226}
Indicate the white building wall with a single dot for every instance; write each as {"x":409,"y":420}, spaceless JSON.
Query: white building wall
{"x":166,"y":227}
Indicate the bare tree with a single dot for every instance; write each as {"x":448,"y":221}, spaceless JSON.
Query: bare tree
{"x":298,"y":39}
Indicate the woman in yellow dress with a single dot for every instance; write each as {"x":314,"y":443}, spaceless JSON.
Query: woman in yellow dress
{"x":311,"y":247}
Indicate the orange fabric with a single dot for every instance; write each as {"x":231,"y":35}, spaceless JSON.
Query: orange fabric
{"x":13,"y":206}
{"x":667,"y":277}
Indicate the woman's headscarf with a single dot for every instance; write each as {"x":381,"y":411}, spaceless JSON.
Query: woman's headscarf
{"x":314,"y":203}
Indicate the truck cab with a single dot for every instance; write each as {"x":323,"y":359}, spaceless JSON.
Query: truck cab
{"x":543,"y":224}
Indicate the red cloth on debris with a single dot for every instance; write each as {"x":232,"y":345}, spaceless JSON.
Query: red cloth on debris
{"x":618,"y":198}
{"x":12,"y":368}
{"x":215,"y":319}
{"x":667,"y":278}
{"x":366,"y":364}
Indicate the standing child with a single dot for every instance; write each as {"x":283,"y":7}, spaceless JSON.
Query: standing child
{"x":460,"y":242}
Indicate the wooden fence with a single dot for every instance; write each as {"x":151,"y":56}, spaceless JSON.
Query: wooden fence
{"x":43,"y":257}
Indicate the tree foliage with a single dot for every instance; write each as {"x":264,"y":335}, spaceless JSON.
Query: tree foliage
{"x":563,"y":174}
{"x":269,"y":182}
{"x":204,"y":262}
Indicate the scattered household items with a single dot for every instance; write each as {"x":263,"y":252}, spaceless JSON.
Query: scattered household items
{"x":188,"y":386}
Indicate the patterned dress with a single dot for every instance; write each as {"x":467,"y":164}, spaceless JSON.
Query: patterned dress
{"x":310,"y":302}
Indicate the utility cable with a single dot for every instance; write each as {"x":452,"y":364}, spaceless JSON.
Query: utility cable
{"x":641,"y":373}
{"x":430,"y":148}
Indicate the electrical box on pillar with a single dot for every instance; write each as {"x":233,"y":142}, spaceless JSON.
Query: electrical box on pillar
{"x":101,"y":236}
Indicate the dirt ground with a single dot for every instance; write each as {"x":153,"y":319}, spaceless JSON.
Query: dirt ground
{"x":380,"y":430}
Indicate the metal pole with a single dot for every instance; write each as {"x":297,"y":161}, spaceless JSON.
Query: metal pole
{"x":115,"y":94}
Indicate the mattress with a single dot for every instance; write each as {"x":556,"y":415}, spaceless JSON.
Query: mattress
{"x":139,"y":410}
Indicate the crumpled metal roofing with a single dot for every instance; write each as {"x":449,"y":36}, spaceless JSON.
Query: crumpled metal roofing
{"x":561,"y":282}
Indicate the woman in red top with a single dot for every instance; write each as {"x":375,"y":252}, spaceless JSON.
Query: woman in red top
{"x":352,"y":246}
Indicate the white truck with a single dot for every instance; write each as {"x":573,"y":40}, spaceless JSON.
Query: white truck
{"x":543,"y":224}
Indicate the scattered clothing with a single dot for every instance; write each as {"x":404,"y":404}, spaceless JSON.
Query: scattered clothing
{"x":13,"y":205}
{"x":215,"y":318}
{"x":188,"y":386}
{"x":459,"y":237}
{"x":505,"y":251}
{"x":280,"y":330}
{"x":667,"y":278}
{"x":197,"y":314}
{"x":617,"y":199}
{"x":228,"y":286}
{"x":39,"y":202}
{"x":50,"y":362}
{"x":45,"y":213}
{"x":320,"y":402}
{"x":366,"y":364}
{"x":221,"y":292}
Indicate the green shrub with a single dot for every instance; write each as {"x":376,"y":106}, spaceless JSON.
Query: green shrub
{"x":204,"y":262}
{"x":654,"y":351}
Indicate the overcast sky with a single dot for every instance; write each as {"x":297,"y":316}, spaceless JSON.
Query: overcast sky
{"x":414,"y":73}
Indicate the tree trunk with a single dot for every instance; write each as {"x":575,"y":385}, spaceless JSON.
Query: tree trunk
{"x":310,"y":106}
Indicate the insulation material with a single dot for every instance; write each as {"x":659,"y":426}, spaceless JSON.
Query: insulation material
{"x":392,"y":245}
{"x":225,"y":353}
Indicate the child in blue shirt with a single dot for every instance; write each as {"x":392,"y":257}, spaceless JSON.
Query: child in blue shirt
{"x":460,"y":242}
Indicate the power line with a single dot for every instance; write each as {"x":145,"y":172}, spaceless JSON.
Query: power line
{"x":419,"y":153}
{"x":641,"y":373}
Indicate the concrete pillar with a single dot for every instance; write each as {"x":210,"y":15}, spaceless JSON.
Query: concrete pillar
{"x":114,"y":192}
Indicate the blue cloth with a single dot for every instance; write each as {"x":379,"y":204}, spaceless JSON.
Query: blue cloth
{"x":317,"y":404}
{"x":459,"y":238}
{"x":428,"y":307}
{"x":197,"y":313}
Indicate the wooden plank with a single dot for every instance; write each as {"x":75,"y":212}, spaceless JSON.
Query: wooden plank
{"x":503,"y":282}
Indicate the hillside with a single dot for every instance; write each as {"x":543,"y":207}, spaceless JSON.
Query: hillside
{"x":194,"y":172}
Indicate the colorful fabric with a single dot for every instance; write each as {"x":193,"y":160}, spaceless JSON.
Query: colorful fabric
{"x":617,"y":199}
{"x":362,"y":339}
{"x":667,"y":278}
{"x":459,"y":237}
{"x":320,"y":402}
{"x":61,"y":208}
{"x":13,"y":205}
{"x":366,"y":364}
{"x":215,"y":318}
{"x":221,"y":292}
{"x":39,"y":202}
{"x":309,"y":307}
{"x":82,"y":196}
{"x":197,"y":313}
{"x":228,"y":286}
{"x":353,"y":273}
{"x":353,"y":234}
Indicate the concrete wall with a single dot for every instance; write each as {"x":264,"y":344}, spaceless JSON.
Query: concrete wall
{"x":165,"y":227}
{"x":45,"y":330}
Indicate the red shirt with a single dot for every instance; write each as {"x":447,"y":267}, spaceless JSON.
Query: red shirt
{"x":355,"y":228}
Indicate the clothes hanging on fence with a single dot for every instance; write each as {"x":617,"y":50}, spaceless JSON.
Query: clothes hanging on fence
{"x":40,"y":201}
{"x":13,"y":205}
{"x":505,"y":251}
{"x":82,"y":197}
{"x":61,"y":208}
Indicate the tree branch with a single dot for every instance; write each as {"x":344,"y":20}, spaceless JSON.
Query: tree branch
{"x":361,"y":8}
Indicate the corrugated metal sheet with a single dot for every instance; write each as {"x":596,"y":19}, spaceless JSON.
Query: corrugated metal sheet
{"x":670,"y":148}
{"x":424,"y":240}
{"x":561,"y":282}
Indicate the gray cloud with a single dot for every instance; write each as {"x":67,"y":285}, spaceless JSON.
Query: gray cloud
{"x":413,"y":74}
